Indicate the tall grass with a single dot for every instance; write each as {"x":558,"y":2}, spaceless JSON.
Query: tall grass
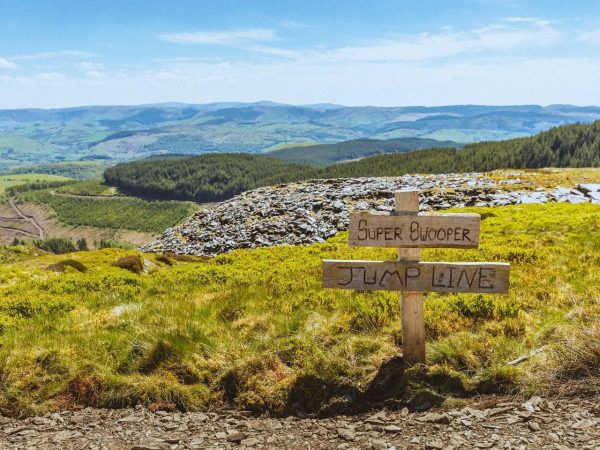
{"x":254,"y":327}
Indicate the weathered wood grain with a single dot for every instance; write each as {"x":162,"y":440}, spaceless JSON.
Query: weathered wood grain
{"x":409,"y":276}
{"x":409,"y":230}
{"x":413,"y":310}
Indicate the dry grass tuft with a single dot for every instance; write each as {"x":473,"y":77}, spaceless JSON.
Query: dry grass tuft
{"x":133,"y":263}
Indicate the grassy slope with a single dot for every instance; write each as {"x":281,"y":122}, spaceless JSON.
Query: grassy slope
{"x":17,"y":179}
{"x":79,"y":170}
{"x":124,"y":213}
{"x":326,"y":154}
{"x":255,"y":327}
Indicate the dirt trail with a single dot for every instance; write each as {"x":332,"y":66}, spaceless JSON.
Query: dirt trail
{"x":485,"y":424}
{"x":25,"y":218}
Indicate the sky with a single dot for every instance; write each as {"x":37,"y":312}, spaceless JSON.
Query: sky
{"x":62,"y":53}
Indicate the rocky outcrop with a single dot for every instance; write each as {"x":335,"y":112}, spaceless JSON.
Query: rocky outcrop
{"x":312,"y":211}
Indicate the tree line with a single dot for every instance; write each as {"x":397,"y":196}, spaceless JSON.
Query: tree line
{"x":213,"y":177}
{"x":204,"y":178}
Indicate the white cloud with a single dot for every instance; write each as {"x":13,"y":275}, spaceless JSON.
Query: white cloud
{"x":274,"y":51}
{"x":505,"y":62}
{"x":506,"y":35}
{"x":6,"y":64}
{"x":234,"y":37}
{"x":51,"y":76}
{"x":95,"y":74}
{"x":89,"y":65}
{"x":53,"y":55}
{"x":382,"y":83}
{"x":292,"y":24}
{"x":590,"y":37}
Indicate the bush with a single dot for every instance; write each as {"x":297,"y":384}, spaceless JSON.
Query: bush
{"x":56,"y":245}
{"x":82,"y":245}
{"x":110,"y":243}
{"x":61,"y":266}
{"x":164,"y":259}
{"x":133,"y":263}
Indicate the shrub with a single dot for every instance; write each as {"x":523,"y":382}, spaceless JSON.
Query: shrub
{"x":164,"y":259}
{"x":133,"y":263}
{"x":82,"y":245}
{"x":61,"y":266}
{"x":56,"y":245}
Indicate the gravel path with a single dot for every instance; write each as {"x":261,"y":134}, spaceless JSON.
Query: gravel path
{"x":490,"y":423}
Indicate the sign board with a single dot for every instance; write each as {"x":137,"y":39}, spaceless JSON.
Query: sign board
{"x":416,"y":276}
{"x":421,"y":230}
{"x":409,"y":231}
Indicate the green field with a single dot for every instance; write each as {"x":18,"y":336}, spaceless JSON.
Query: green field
{"x":87,"y":188}
{"x":18,"y":179}
{"x":77,"y":170}
{"x":117,"y":213}
{"x":254,"y":328}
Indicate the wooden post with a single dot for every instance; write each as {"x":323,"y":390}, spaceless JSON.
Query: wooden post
{"x":413,"y":317}
{"x":410,"y":231}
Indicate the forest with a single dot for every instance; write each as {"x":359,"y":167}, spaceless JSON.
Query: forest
{"x":214,"y":177}
{"x":327,"y":154}
{"x":205,"y":178}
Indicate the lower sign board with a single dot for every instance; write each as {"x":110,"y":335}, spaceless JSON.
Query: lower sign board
{"x":417,"y":276}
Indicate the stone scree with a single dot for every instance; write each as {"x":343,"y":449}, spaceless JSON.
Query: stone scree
{"x":313,"y":211}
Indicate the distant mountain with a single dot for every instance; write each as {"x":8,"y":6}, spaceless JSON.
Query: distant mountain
{"x":566,"y":146}
{"x":326,"y":154}
{"x":216,"y":177}
{"x":121,"y":133}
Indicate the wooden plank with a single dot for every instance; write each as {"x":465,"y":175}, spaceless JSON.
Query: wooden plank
{"x":417,"y":276}
{"x":412,"y":308}
{"x":405,"y":230}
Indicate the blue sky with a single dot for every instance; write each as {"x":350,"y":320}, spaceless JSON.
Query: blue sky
{"x":57,"y":53}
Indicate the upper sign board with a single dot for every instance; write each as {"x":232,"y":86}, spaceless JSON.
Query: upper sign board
{"x":418,"y":230}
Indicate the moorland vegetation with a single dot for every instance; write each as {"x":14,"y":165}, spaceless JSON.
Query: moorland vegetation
{"x":255,"y":330}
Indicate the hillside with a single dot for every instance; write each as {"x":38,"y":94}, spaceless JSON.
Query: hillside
{"x":112,"y":134}
{"x":45,"y":207}
{"x":326,"y":154}
{"x":216,"y":177}
{"x":78,"y":170}
{"x":567,"y":146}
{"x":203,"y":178}
{"x":255,"y":331}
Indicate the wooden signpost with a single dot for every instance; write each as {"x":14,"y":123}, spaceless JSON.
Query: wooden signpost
{"x":409,"y":231}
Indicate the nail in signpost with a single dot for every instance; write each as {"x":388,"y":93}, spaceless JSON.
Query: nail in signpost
{"x":409,"y":231}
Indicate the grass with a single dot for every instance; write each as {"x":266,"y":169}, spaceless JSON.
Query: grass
{"x":118,"y":213}
{"x":88,"y":187}
{"x":255,"y":329}
{"x":18,"y":179}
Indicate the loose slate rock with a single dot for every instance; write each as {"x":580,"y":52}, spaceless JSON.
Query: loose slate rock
{"x":312,"y":211}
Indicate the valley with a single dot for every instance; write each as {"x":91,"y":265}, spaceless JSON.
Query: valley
{"x":86,"y":210}
{"x":106,"y":135}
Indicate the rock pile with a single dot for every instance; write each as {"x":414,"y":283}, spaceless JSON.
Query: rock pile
{"x":312,"y":211}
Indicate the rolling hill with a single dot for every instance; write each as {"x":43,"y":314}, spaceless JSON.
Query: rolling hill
{"x":326,"y":154}
{"x":113,"y":134}
{"x":217,"y":177}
